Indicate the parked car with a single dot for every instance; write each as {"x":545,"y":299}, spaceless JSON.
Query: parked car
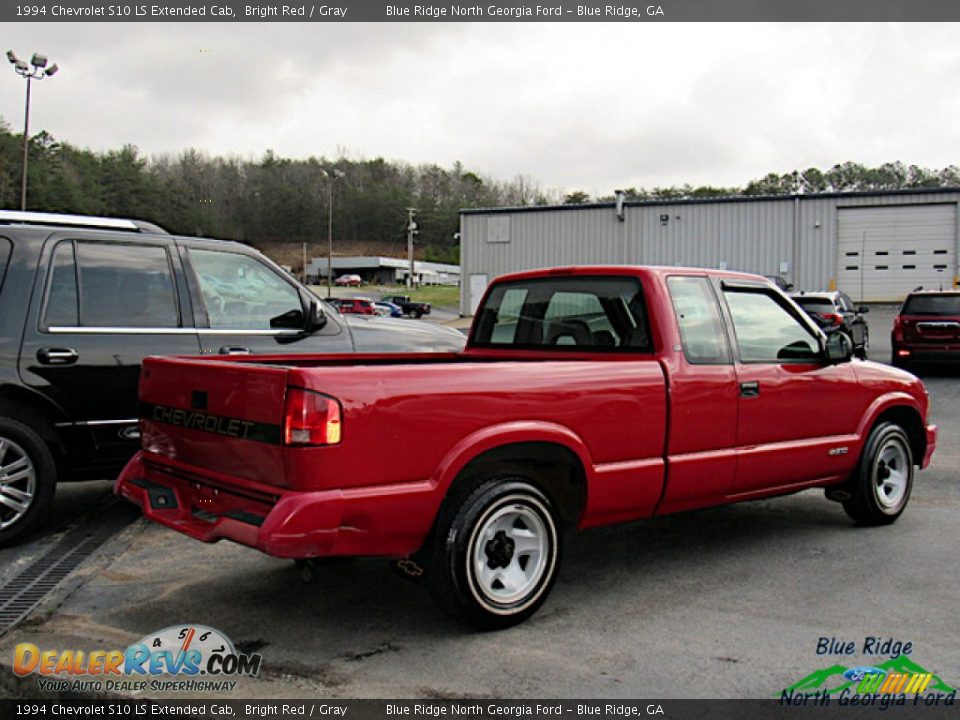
{"x":927,"y":329}
{"x":348,"y":281}
{"x":355,"y":306}
{"x":408,"y":306}
{"x":835,"y":311}
{"x":83,"y":300}
{"x":388,"y":309}
{"x":578,"y":390}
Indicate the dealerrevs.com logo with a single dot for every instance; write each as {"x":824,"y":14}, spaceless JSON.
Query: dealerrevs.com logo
{"x":182,"y":658}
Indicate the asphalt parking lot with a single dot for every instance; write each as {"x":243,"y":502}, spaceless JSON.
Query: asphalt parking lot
{"x":723,"y":603}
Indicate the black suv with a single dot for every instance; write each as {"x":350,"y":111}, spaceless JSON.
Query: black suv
{"x":835,"y":311}
{"x":82,"y":302}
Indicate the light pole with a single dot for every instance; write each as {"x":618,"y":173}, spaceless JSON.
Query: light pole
{"x":330,"y":176}
{"x":37,"y":70}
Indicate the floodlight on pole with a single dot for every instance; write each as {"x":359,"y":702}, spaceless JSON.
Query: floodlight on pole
{"x":38,"y":72}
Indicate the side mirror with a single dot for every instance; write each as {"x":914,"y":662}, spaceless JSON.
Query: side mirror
{"x":838,"y":347}
{"x":863,"y":309}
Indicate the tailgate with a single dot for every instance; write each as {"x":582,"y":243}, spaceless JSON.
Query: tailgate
{"x":216,"y":415}
{"x":931,"y":329}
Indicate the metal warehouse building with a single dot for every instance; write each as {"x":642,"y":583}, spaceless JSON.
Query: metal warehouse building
{"x":875,"y":246}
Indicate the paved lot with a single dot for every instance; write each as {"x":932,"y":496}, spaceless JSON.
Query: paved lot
{"x":727,"y":602}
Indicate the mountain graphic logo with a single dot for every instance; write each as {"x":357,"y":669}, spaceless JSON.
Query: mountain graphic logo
{"x":897,"y":675}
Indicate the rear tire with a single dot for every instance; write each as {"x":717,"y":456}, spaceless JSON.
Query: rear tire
{"x":28,"y":478}
{"x":884,"y":478}
{"x":497,"y":554}
{"x":416,"y":314}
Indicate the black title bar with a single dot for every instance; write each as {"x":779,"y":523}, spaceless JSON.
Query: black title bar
{"x":483,"y":11}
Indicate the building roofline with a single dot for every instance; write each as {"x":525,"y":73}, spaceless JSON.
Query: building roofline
{"x":703,"y":200}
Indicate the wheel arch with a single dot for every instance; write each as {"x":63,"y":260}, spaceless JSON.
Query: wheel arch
{"x":909,"y":419}
{"x":551,"y":456}
{"x":34,"y":410}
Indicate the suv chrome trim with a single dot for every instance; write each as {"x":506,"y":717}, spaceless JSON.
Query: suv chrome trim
{"x":165,"y":331}
{"x":87,"y":423}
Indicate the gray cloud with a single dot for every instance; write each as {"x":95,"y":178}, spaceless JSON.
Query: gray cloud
{"x":592,"y":106}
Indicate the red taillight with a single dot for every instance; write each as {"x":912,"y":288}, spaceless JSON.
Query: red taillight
{"x":898,"y":329}
{"x":311,"y":418}
{"x":832,"y":318}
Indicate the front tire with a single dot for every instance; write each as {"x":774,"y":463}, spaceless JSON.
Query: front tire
{"x":497,"y":554}
{"x":28,"y":477}
{"x":884,"y":478}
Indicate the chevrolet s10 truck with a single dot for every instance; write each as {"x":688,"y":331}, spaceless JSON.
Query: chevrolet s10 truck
{"x":584,"y":397}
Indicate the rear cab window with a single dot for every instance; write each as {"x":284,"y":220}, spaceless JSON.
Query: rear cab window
{"x":580,"y":313}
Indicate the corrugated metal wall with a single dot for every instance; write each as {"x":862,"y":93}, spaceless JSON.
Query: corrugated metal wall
{"x":761,"y":236}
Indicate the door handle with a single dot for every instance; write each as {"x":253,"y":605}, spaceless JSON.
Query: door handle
{"x":57,"y":356}
{"x":750,"y":389}
{"x":235,"y":350}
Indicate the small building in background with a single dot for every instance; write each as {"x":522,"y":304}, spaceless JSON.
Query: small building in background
{"x":377,"y":270}
{"x":875,"y":246}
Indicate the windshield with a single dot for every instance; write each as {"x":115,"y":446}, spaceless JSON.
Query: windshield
{"x":932,"y":305}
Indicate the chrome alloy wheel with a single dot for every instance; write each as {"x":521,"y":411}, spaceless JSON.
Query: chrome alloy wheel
{"x":891,"y":473}
{"x":18,"y":482}
{"x":511,"y":550}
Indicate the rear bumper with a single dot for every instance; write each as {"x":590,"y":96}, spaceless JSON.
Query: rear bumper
{"x":933,"y":354}
{"x":390,"y":521}
{"x":931,"y":431}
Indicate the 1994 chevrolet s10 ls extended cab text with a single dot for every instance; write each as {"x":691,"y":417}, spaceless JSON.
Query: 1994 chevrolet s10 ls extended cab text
{"x":584,"y":397}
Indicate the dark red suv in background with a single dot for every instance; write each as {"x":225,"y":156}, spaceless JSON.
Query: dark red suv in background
{"x":927,"y":330}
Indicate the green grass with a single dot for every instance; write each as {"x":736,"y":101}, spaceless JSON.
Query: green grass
{"x":436,"y":295}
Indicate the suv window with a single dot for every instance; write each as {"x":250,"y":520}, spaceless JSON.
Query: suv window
{"x":240,"y":292}
{"x":4,"y":257}
{"x":932,"y":305}
{"x":766,"y":332}
{"x":95,"y":284}
{"x":583,"y":312}
{"x":701,"y":330}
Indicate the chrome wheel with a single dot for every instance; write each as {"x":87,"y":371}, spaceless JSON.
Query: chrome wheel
{"x":510,"y":551}
{"x":18,"y":481}
{"x":891,"y":472}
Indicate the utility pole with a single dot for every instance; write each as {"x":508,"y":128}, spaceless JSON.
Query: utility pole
{"x":411,"y":231}
{"x":330,"y":176}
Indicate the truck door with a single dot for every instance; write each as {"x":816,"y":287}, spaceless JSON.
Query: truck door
{"x":797,"y":412}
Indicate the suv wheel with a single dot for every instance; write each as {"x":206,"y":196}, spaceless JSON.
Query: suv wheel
{"x":28,"y":477}
{"x":497,"y":554}
{"x":415,"y":314}
{"x":884,"y":477}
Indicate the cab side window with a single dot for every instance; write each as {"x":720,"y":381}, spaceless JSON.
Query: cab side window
{"x":701,"y":330}
{"x":240,"y":292}
{"x":96,"y":284}
{"x":766,"y":332}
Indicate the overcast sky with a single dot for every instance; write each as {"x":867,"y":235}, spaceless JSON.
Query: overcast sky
{"x":574,"y":106}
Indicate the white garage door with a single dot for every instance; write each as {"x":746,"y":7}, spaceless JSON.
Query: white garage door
{"x":885,"y":252}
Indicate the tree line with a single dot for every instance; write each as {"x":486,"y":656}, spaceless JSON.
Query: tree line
{"x":274,"y":200}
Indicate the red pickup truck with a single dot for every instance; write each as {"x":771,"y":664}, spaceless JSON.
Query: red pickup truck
{"x":584,"y":397}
